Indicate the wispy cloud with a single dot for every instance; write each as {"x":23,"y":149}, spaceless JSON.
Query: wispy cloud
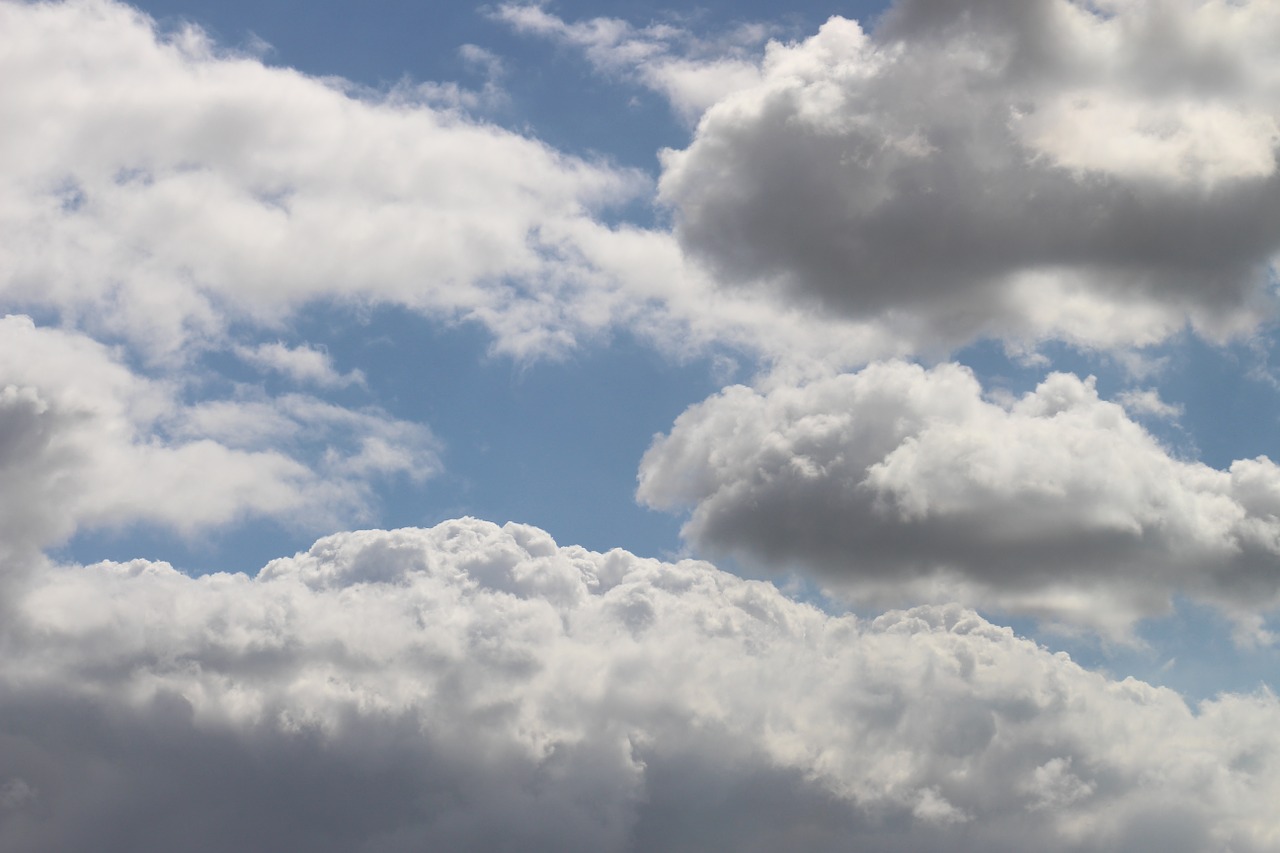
{"x":303,"y":364}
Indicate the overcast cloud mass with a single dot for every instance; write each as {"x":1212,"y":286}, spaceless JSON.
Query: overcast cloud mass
{"x":234,"y":306}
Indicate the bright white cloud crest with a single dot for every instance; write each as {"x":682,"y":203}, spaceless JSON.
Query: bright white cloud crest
{"x":569,"y":700}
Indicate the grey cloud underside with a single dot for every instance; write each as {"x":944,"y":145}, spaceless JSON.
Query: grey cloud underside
{"x":901,"y":484}
{"x":1008,"y":169}
{"x":471,"y":687}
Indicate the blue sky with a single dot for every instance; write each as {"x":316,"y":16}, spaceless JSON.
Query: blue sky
{"x":943,"y":333}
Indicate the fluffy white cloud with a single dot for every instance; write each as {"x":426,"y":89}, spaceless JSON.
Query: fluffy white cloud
{"x":86,"y":442}
{"x":160,"y":185}
{"x":163,"y":188}
{"x":1102,"y":173}
{"x":471,"y":687}
{"x":901,"y":484}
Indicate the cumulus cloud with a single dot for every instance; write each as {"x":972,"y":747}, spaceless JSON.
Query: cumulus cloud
{"x":901,"y":484}
{"x":472,"y":687}
{"x":87,"y":442}
{"x":1100,"y":173}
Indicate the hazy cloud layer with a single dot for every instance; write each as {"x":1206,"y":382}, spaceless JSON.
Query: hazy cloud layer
{"x":1016,"y":168}
{"x":902,"y":484}
{"x":471,"y":687}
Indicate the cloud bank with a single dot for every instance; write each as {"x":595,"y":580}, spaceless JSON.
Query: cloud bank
{"x":472,"y":687}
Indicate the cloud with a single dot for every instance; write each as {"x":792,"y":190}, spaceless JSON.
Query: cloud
{"x":1022,"y":170}
{"x":692,"y":73}
{"x":489,"y":97}
{"x":302,"y":364}
{"x":163,"y":187}
{"x":86,"y":442}
{"x":173,"y":195}
{"x":472,"y":687}
{"x":904,"y":484}
{"x":1148,"y":402}
{"x":233,"y":193}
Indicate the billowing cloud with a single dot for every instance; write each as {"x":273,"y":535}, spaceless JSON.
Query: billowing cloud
{"x":1101,"y":173}
{"x":471,"y":687}
{"x":86,"y":442}
{"x":902,"y":484}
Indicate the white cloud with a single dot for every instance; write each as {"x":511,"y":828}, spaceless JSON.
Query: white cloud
{"x":900,"y":484}
{"x":85,"y":442}
{"x":166,"y":190}
{"x":161,"y":187}
{"x":692,"y":73}
{"x":1023,"y":169}
{"x":490,"y":96}
{"x":1147,"y":401}
{"x":471,"y":687}
{"x":302,"y":364}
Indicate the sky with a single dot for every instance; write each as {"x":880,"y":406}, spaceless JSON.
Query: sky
{"x":617,"y":426}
